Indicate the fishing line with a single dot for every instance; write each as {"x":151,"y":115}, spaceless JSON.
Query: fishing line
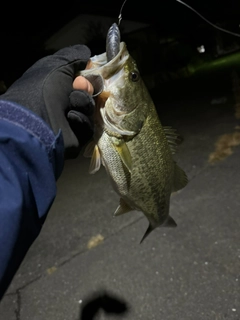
{"x":120,"y":13}
{"x":209,"y":22}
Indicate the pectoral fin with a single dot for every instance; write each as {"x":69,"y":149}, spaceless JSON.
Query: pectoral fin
{"x":122,"y":208}
{"x":92,"y":151}
{"x":180,"y":179}
{"x":88,"y":152}
{"x":123,"y":151}
{"x":95,"y":163}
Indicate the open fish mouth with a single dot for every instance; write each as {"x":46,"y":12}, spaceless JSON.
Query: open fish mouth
{"x":100,"y":65}
{"x":110,"y":62}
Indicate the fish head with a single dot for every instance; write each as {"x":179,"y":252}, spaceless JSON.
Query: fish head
{"x":124,"y":82}
{"x":125,"y":90}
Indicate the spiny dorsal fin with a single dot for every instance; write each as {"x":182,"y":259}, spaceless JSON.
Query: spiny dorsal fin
{"x":180,"y":179}
{"x":172,"y":137}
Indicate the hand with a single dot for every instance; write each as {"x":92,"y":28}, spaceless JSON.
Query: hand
{"x":49,"y":90}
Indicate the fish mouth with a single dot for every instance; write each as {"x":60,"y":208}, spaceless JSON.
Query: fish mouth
{"x":110,"y":62}
{"x":101,"y":66}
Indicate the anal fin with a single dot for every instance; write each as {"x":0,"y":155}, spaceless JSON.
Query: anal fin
{"x":122,"y":208}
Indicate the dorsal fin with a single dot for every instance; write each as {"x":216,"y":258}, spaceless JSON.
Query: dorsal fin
{"x":172,"y":137}
{"x":180,"y":179}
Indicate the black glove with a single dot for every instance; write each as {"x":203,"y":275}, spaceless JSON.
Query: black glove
{"x":46,"y":88}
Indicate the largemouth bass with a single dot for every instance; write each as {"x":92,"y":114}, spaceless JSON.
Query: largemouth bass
{"x":129,"y":140}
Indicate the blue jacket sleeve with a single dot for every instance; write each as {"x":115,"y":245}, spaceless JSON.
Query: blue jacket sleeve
{"x":31,"y":160}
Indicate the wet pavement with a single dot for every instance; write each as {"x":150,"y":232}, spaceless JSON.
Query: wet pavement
{"x":87,"y":265}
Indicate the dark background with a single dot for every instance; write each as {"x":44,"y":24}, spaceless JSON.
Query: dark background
{"x":24,"y":27}
{"x":191,"y":272}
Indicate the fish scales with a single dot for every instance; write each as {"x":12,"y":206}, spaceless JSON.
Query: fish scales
{"x":129,"y":140}
{"x":146,"y":166}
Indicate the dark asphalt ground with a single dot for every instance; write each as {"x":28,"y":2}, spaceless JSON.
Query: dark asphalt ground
{"x":86,"y":265}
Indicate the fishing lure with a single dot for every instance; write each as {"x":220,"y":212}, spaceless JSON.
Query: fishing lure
{"x":114,"y":37}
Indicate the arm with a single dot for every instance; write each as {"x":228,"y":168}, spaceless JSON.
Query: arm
{"x":31,"y":161}
{"x":42,"y":122}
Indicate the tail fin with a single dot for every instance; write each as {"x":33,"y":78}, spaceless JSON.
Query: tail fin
{"x":148,"y":231}
{"x":169,"y":223}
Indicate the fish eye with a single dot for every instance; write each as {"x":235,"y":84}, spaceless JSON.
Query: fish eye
{"x":134,"y":76}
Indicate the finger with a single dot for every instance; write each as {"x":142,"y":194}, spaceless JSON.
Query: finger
{"x":82,"y":102}
{"x":81,"y":83}
{"x":79,"y":117}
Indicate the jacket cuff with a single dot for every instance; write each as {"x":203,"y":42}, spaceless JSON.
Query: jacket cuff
{"x":35,"y":126}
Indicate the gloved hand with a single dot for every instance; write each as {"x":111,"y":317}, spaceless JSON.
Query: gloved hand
{"x":46,"y":88}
